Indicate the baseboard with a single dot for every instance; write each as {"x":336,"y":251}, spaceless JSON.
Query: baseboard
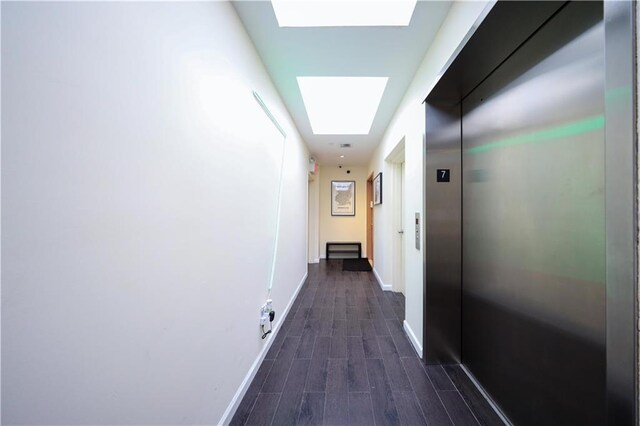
{"x":383,"y":286}
{"x":412,"y":337}
{"x":244,"y":386}
{"x":316,"y":260}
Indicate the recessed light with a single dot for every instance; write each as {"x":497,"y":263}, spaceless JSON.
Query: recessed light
{"x":341,"y":105}
{"x":342,"y":156}
{"x":343,"y":13}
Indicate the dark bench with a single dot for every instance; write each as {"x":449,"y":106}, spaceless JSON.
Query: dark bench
{"x":343,"y":248}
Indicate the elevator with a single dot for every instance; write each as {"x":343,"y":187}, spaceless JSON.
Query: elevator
{"x":529,"y":213}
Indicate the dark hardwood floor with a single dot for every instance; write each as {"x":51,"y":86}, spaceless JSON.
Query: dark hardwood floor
{"x":342,"y":358}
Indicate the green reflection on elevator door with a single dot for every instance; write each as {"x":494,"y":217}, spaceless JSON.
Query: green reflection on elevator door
{"x":566,"y":130}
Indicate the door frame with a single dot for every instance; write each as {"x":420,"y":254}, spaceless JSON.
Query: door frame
{"x":621,"y":212}
{"x":395,"y":160}
{"x":370,"y":219}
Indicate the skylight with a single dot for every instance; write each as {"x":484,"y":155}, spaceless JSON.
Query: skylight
{"x":343,"y":13}
{"x":341,"y":105}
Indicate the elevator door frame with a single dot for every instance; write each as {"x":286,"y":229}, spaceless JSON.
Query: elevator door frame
{"x":472,"y":65}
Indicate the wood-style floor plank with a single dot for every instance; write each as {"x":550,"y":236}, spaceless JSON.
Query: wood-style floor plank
{"x":312,"y":410}
{"x":289,"y":406}
{"x":457,"y":409}
{"x":360,"y":409}
{"x":264,"y":409}
{"x":409,"y":408}
{"x":384,"y":407}
{"x":246,"y":405}
{"x":342,"y":357}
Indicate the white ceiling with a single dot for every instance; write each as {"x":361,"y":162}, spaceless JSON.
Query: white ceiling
{"x":394,"y":52}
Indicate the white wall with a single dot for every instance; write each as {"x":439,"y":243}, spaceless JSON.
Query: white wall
{"x":138,"y":179}
{"x":408,"y":122}
{"x":314,"y":218}
{"x":343,"y":228}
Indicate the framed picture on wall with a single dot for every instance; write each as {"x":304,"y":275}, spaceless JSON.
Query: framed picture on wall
{"x":377,"y":189}
{"x":343,"y":198}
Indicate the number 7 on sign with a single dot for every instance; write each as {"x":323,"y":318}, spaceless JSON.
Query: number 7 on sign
{"x":444,"y":175}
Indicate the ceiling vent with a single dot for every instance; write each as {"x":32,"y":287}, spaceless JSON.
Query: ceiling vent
{"x":345,"y":145}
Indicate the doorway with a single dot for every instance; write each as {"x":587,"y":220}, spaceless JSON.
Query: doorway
{"x":395,"y":162}
{"x":400,"y":240}
{"x":370,"y":219}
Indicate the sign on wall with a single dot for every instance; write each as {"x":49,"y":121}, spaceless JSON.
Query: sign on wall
{"x":444,"y":175}
{"x":377,"y":189}
{"x":343,"y":198}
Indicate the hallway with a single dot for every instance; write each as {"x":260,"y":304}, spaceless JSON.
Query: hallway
{"x":175,"y":175}
{"x":342,"y":358}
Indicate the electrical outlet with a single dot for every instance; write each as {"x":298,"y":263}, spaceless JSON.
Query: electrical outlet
{"x":264,"y":319}
{"x":264,"y":313}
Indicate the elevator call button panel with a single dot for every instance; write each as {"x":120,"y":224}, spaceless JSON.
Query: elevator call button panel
{"x":417,"y":231}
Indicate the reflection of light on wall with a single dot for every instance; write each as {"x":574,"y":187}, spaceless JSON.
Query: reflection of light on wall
{"x":218,"y":98}
{"x":528,"y":97}
{"x":564,"y":131}
{"x":219,"y":102}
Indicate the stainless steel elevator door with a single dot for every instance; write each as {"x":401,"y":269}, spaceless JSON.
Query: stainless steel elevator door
{"x":443,"y":240}
{"x":533,"y":263}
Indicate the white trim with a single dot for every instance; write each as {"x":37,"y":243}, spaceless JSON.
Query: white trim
{"x":384,"y":287}
{"x":244,"y":386}
{"x":397,"y":200}
{"x":316,"y":260}
{"x":397,"y":153}
{"x":412,"y":337}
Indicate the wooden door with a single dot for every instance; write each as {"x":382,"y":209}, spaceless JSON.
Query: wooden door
{"x":370,"y":219}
